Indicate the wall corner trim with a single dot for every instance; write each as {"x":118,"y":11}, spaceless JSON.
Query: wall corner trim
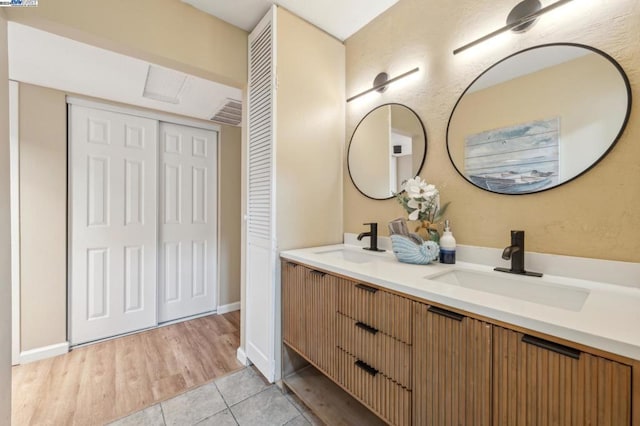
{"x":44,"y":352}
{"x":230,"y":307}
{"x":242,"y":357}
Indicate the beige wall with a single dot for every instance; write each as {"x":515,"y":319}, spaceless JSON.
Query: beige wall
{"x":5,"y":240}
{"x":229,"y":214}
{"x":369,"y":157}
{"x":405,"y":121}
{"x":43,"y":219}
{"x":166,"y":32}
{"x":597,"y":215}
{"x":310,"y":134}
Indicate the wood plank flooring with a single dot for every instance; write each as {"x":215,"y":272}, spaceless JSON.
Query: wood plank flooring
{"x":95,"y":384}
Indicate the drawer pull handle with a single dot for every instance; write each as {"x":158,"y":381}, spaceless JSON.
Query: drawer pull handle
{"x":552,"y":346}
{"x":366,"y":367}
{"x":319,"y":273}
{"x":367,"y":288}
{"x":366,"y":327}
{"x":439,"y":311}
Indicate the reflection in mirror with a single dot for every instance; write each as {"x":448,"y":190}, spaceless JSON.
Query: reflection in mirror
{"x":538,"y":118}
{"x":388,"y":147}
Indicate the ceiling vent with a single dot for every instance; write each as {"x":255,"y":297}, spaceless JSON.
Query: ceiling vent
{"x":164,"y":85}
{"x":230,"y":113}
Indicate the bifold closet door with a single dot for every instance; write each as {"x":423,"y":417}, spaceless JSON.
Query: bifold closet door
{"x":261,"y":248}
{"x":188,"y":214}
{"x":113,"y":219}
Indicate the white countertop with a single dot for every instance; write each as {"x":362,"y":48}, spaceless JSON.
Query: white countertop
{"x":608,"y":320}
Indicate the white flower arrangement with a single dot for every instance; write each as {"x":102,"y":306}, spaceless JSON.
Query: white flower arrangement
{"x":421,"y":200}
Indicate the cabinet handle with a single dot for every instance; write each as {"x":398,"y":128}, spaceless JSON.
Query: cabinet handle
{"x":367,"y":328}
{"x":367,"y":288}
{"x":439,"y":311}
{"x":366,"y":367}
{"x":320,"y":273}
{"x":552,"y":346}
{"x":293,"y":265}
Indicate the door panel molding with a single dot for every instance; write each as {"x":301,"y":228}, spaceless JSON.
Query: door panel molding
{"x":122,"y":159}
{"x":188,"y":196}
{"x":112,"y":224}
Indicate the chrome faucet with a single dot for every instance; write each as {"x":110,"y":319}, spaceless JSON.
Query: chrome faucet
{"x":373,"y":237}
{"x":515,"y":252}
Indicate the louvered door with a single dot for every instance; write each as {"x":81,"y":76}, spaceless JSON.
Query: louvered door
{"x":260,"y":223}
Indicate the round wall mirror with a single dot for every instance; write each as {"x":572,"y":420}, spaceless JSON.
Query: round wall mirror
{"x":539,"y":118}
{"x":388,"y":147}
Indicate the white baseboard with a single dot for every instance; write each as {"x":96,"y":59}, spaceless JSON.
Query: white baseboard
{"x":44,"y":352}
{"x":242,"y":357}
{"x":223,"y":309}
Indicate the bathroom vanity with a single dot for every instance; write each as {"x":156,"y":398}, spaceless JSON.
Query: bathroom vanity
{"x":455,"y":344}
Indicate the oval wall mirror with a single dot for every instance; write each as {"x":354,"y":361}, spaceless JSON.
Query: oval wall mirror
{"x":388,"y":146}
{"x":538,"y":118}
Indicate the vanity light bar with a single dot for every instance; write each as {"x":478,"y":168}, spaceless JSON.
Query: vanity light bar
{"x":528,"y":18}
{"x":384,"y":84}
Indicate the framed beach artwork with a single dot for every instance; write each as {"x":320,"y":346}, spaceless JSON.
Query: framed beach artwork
{"x":514,"y":160}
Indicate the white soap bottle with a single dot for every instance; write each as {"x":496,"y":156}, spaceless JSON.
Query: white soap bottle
{"x":447,"y":246}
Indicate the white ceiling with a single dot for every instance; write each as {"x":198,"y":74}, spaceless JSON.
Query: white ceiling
{"x":48,"y":60}
{"x":340,"y":18}
{"x":45,"y":59}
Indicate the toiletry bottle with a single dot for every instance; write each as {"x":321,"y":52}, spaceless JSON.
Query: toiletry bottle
{"x":447,"y":246}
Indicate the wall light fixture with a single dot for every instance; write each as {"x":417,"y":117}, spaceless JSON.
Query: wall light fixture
{"x":520,"y":19}
{"x":381,"y":82}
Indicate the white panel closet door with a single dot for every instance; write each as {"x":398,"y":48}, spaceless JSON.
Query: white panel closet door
{"x":113,"y":223}
{"x":188,"y":213}
{"x":261,"y":242}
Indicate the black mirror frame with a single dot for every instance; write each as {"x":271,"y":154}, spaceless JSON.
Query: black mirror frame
{"x":613,"y":143}
{"x":424,"y":157}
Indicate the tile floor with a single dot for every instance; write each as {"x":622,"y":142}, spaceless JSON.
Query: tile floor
{"x":241,"y":398}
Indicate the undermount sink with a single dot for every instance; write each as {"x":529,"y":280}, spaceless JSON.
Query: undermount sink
{"x":535,"y":290}
{"x":349,"y":255}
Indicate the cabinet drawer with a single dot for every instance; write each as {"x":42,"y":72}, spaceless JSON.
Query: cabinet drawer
{"x":387,"y":399}
{"x":382,"y":310}
{"x":386,"y":354}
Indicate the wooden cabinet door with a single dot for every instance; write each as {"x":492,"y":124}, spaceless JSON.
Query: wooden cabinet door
{"x":293,"y":305}
{"x":308,"y":314}
{"x":452,"y":368}
{"x":319,"y":313}
{"x":537,"y":382}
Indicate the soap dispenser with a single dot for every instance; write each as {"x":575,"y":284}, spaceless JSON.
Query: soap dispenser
{"x":447,"y":246}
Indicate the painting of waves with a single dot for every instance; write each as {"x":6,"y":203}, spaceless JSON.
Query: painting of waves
{"x":514,"y":160}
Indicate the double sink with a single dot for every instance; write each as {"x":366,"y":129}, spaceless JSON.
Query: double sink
{"x":541,"y":290}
